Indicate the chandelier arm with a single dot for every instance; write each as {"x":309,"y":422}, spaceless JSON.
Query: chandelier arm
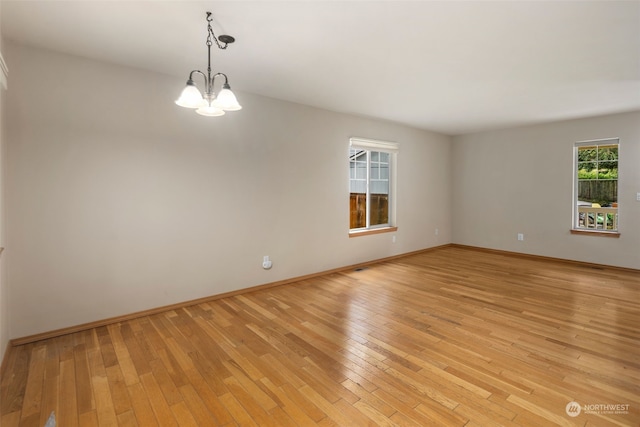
{"x":196,"y":72}
{"x":208,"y":82}
{"x":226,"y":80}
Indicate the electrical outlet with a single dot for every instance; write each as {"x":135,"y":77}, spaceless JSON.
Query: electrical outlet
{"x":266,"y":262}
{"x":638,"y":197}
{"x":437,"y":231}
{"x":393,"y":238}
{"x":520,"y":236}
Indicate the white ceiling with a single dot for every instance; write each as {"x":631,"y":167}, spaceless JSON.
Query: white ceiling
{"x":450,"y":66}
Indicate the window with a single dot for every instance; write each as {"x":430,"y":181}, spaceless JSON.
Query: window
{"x":371,"y":183}
{"x":596,"y":185}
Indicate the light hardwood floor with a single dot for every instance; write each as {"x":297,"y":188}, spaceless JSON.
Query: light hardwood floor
{"x":450,"y":337}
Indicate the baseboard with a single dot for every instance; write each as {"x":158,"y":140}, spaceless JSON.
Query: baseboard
{"x":104,"y":322}
{"x":544,"y":258}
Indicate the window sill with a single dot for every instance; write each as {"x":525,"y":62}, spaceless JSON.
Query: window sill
{"x":600,"y":233}
{"x":372,"y":231}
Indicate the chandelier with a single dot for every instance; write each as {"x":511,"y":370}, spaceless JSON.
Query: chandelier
{"x":210,"y":104}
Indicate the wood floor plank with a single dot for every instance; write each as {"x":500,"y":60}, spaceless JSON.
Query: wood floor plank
{"x":50,"y":396}
{"x":10,"y":419}
{"x":142,"y":408}
{"x":183,"y":415}
{"x":252,"y":405}
{"x":122,"y":355}
{"x":89,"y":419}
{"x":169,"y":390}
{"x":103,"y":402}
{"x":295,"y":411}
{"x":279,"y":418}
{"x":160,"y":407}
{"x":139,"y":357}
{"x":118,"y":388}
{"x":196,"y":406}
{"x":556,"y":418}
{"x":239,"y":414}
{"x":254,"y":389}
{"x":14,"y":381}
{"x":52,"y":363}
{"x":128,"y":419}
{"x":33,"y":392}
{"x":449,"y":337}
{"x":109,"y":356}
{"x":367,"y":398}
{"x":84,"y":391}
{"x":212,"y":401}
{"x":340,"y":412}
{"x":68,"y":406}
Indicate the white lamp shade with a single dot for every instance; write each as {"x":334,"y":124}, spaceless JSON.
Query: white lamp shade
{"x":191,"y":97}
{"x":227,"y":101}
{"x":210,"y":111}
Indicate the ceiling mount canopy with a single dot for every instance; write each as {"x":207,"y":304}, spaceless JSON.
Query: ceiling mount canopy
{"x":209,"y":104}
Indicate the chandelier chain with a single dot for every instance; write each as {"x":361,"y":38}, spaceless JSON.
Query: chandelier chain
{"x":212,"y":34}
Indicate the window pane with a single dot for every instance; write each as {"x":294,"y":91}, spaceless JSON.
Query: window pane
{"x":375,"y":171}
{"x":602,"y":192}
{"x":379,"y":209}
{"x":384,"y":157}
{"x":608,"y":153}
{"x":358,"y":186}
{"x":588,"y":166}
{"x":358,"y":211}
{"x":384,"y":172}
{"x":379,"y":187}
{"x":587,"y":153}
{"x":608,"y":170}
{"x":375,"y":156}
{"x":587,"y":170}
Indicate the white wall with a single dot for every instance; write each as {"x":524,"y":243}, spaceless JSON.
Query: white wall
{"x":521,"y":181}
{"x":4,"y":300}
{"x":120,"y":201}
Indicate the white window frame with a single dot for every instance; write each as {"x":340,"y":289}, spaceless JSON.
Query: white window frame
{"x":575,"y":220}
{"x":392,"y":148}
